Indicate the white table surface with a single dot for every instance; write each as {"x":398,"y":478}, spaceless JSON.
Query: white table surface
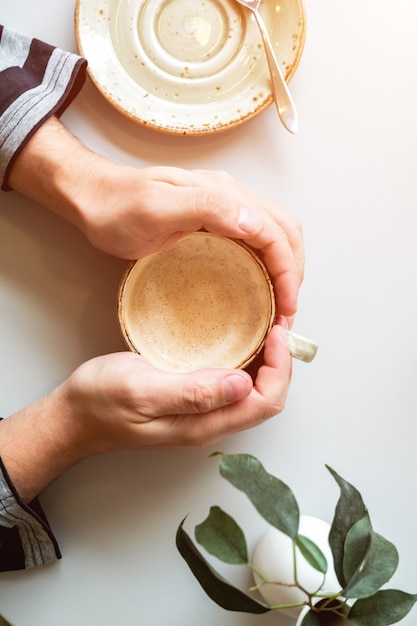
{"x":349,"y":176}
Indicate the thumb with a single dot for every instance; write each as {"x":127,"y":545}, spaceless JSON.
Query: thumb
{"x":201,"y":391}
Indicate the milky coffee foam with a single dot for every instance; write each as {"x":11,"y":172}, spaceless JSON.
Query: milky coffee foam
{"x":205,"y":302}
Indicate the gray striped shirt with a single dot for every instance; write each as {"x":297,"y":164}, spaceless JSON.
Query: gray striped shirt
{"x":36,"y":81}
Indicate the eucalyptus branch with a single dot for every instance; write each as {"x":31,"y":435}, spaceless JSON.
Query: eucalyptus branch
{"x":363,"y":560}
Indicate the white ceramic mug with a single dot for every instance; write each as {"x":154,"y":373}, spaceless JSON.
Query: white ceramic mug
{"x":207,"y":301}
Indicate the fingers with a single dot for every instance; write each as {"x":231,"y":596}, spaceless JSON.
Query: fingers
{"x":271,"y":385}
{"x":275,"y":235}
{"x":266,"y":400}
{"x":218,"y":203}
{"x":274,"y":376}
{"x":123,"y":402}
{"x":158,"y":205}
{"x":286,"y":271}
{"x":198,"y":392}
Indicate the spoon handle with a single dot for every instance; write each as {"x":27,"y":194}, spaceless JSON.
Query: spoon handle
{"x":283,"y":100}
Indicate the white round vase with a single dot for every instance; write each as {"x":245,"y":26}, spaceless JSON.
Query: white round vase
{"x":273,"y":558}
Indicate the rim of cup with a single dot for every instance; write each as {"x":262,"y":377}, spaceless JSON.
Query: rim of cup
{"x":155,"y":279}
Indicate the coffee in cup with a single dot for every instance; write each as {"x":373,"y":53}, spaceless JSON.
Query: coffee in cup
{"x":207,"y":301}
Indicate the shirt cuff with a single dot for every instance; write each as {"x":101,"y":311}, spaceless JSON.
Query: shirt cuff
{"x":26,"y":539}
{"x":36,"y":81}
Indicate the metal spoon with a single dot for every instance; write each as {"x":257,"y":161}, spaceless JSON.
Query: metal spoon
{"x":283,"y":101}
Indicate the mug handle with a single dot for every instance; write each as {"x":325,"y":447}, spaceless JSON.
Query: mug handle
{"x":300,"y":347}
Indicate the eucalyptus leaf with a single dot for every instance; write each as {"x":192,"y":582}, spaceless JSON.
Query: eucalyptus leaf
{"x":364,"y":560}
{"x":312,"y":553}
{"x":377,"y":567}
{"x":222,"y":537}
{"x":356,"y":546}
{"x":350,"y":508}
{"x":216,"y":587}
{"x":271,"y":497}
{"x":388,"y":606}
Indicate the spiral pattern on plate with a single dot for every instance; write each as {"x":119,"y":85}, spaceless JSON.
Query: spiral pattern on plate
{"x":187,"y":45}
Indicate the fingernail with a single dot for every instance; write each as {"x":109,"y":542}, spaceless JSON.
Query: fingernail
{"x":236,"y":387}
{"x":249,"y":221}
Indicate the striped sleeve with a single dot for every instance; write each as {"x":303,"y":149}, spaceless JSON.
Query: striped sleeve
{"x":26,"y":539}
{"x":36,"y":81}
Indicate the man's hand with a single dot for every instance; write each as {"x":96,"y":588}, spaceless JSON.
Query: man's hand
{"x":129,"y":212}
{"x":119,"y":401}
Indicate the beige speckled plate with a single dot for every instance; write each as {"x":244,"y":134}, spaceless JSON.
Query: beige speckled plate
{"x":186,"y":66}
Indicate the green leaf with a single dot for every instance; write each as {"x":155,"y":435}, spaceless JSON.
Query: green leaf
{"x":356,"y":546}
{"x":272,"y":498}
{"x":349,"y":509}
{"x":376,"y":568}
{"x":388,"y":606}
{"x":312,"y":553}
{"x":221,"y":536}
{"x":218,"y":589}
